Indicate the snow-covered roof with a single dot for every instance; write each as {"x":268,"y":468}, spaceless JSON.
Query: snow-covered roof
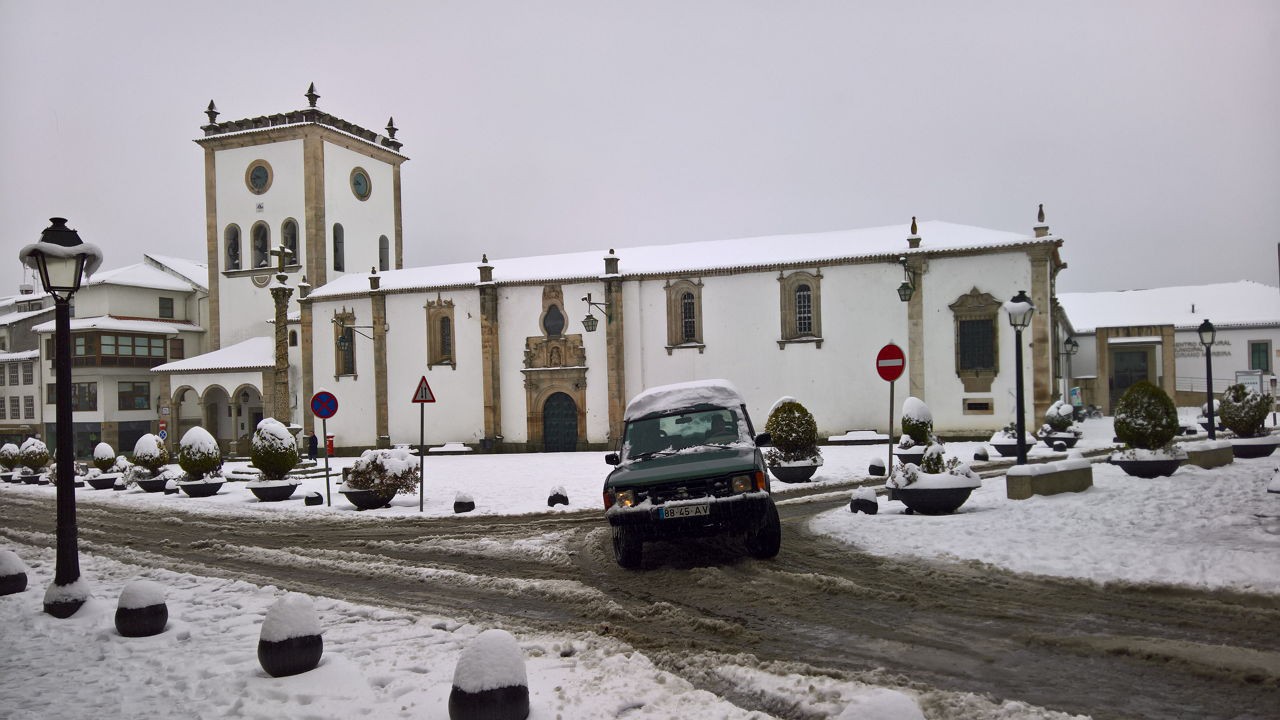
{"x":1225,"y":304}
{"x":142,"y":275}
{"x":12,"y":318}
{"x":742,"y":253}
{"x":108,"y":322}
{"x":251,"y":354}
{"x":720,"y":393}
{"x":196,"y":272}
{"x":22,"y":355}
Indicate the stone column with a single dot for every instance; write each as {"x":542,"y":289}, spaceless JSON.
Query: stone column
{"x":378,"y":303}
{"x":615,"y":354}
{"x":164,"y":390}
{"x":279,"y":385}
{"x":1041,"y":346}
{"x":915,"y":330}
{"x":489,"y":358}
{"x":305,"y":343}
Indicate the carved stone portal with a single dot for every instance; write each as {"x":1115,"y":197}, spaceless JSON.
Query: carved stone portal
{"x":553,"y":363}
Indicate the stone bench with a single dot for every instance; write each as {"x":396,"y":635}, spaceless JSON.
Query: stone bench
{"x":1209,"y":454}
{"x":1072,"y":475}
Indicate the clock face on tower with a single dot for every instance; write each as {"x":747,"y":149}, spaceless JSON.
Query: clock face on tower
{"x":258,"y":176}
{"x":360,"y":184}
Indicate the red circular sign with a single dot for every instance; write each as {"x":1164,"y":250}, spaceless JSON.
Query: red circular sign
{"x":890,"y":362}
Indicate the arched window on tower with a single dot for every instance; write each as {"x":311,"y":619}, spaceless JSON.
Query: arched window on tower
{"x":688,"y":318}
{"x":261,"y":244}
{"x":384,"y":254}
{"x":289,"y":238}
{"x":684,"y":314}
{"x":232,"y":241}
{"x":293,"y":338}
{"x":339,"y":262}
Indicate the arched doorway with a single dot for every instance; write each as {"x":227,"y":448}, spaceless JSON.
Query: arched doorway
{"x":559,"y":424}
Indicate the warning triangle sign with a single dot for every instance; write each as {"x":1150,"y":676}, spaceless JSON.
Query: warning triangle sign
{"x":423,"y":394}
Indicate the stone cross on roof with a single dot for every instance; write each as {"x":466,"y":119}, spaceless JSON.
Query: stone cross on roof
{"x":281,"y":252}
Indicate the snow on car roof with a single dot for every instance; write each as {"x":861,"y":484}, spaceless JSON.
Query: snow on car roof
{"x":720,"y":393}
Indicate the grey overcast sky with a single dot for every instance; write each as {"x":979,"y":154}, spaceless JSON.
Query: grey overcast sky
{"x":1150,"y":130}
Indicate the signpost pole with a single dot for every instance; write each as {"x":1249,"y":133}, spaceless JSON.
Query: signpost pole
{"x":889,"y":469}
{"x":422,"y":452}
{"x":324,"y":430}
{"x":889,"y":364}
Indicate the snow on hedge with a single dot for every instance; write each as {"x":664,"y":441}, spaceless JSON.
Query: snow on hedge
{"x":103,"y":451}
{"x":917,"y":410}
{"x":272,"y":433}
{"x":148,"y":446}
{"x":197,"y":439}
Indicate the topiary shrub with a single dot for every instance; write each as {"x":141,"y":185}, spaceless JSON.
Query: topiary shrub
{"x":34,"y":455}
{"x":917,"y":423}
{"x":9,"y":456}
{"x":1243,"y":411}
{"x":793,"y":433}
{"x":273,"y":450}
{"x":104,"y":457}
{"x":1146,"y":417}
{"x":198,"y":453}
{"x":1059,"y":417}
{"x":150,"y":453}
{"x":386,"y":471}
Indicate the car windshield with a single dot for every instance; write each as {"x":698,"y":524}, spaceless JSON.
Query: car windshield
{"x":672,"y":433}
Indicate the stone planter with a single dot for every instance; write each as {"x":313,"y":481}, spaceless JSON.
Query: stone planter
{"x":1067,"y":439}
{"x":367,"y":499}
{"x":909,"y":456}
{"x":6,"y":476}
{"x":152,"y":485}
{"x":793,"y":473}
{"x":15,"y":583}
{"x":273,"y":492}
{"x":102,"y":482}
{"x":1024,"y":481}
{"x":1209,"y":454}
{"x":292,"y":656}
{"x":143,"y":621}
{"x":1009,"y":449}
{"x":200,"y":488}
{"x":1249,"y":448}
{"x":1148,"y":469}
{"x":34,"y":479}
{"x":931,"y":501}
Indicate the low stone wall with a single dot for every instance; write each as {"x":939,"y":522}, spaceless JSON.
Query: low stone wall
{"x":1209,"y":454}
{"x":1024,"y":481}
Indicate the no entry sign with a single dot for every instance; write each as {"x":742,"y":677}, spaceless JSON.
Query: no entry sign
{"x":890,"y":362}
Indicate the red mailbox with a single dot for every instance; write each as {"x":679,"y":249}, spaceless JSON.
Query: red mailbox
{"x":328,"y":445}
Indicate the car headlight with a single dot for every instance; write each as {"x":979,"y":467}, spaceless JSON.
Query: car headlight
{"x":626,"y":498}
{"x":743,"y":483}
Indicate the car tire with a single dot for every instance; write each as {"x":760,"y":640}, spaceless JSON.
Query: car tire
{"x":765,"y":541}
{"x":628,"y":549}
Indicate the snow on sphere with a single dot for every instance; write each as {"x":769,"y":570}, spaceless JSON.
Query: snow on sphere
{"x":877,"y":462}
{"x":864,"y":493}
{"x":289,"y":617}
{"x":10,"y":563}
{"x":141,"y":594}
{"x":147,"y":446}
{"x":882,"y":704}
{"x":915,"y":409}
{"x":33,"y":445}
{"x":272,"y":431}
{"x":103,"y":451}
{"x":463,"y":497}
{"x":199,"y":440}
{"x":492,"y":660}
{"x":783,"y":399}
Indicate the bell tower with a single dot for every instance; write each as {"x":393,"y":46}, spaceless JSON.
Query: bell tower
{"x":325,"y":188}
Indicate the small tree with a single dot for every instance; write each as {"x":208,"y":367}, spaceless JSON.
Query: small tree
{"x":274,"y":452}
{"x":1146,"y":417}
{"x":104,"y":458}
{"x":1244,"y":410}
{"x":385,"y":471}
{"x":198,"y":453}
{"x":34,"y":455}
{"x":9,"y":456}
{"x":1059,"y":417}
{"x":793,"y":432}
{"x":917,"y":423}
{"x":150,"y":453}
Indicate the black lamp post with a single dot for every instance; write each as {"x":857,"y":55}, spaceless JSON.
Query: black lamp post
{"x":1207,"y":335}
{"x":1069,"y":347}
{"x":62,"y":258}
{"x":591,"y":322}
{"x":1020,"y":311}
{"x":908,"y":286}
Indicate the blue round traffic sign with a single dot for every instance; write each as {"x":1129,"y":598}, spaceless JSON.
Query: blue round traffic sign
{"x":324,"y":405}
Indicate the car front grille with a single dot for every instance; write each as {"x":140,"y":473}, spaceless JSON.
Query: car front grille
{"x":689,"y":490}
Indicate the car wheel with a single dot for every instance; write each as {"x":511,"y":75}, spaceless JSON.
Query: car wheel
{"x":765,"y":541}
{"x":627,"y":548}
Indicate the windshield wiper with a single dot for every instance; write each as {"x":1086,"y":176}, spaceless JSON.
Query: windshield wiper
{"x":651,"y":453}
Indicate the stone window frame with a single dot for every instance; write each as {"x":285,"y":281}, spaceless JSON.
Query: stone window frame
{"x":231,"y":237}
{"x":293,"y":338}
{"x":295,"y":257}
{"x":977,"y":305}
{"x":441,"y":311}
{"x":344,"y":360}
{"x":788,"y":288}
{"x":261,"y":259}
{"x":676,"y":291}
{"x":339,"y":248}
{"x":384,"y":253}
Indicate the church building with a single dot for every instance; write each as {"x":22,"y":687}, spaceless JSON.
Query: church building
{"x":542,"y":353}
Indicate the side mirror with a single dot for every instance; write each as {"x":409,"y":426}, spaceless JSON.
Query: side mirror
{"x":612,"y":459}
{"x":764,"y":439}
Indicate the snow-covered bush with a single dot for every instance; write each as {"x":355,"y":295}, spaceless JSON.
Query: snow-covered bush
{"x":1146,"y":417}
{"x":274,"y":452}
{"x":1059,"y":418}
{"x":150,"y":453}
{"x":793,"y":433}
{"x":1244,"y":410}
{"x":934,"y":471}
{"x":386,"y":471}
{"x":917,"y":423}
{"x":9,"y":456}
{"x":34,"y":455}
{"x":198,"y":453}
{"x":104,"y":457}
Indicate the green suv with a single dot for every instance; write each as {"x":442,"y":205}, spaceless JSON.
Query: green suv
{"x":690,"y":465}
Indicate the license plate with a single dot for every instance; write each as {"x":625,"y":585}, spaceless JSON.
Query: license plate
{"x":683,"y":511}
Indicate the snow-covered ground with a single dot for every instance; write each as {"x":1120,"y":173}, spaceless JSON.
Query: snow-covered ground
{"x":1214,"y":528}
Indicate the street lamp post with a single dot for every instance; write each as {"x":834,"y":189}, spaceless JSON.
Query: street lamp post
{"x":62,"y":258}
{"x":1207,"y":336}
{"x":1020,"y":311}
{"x":1069,"y":347}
